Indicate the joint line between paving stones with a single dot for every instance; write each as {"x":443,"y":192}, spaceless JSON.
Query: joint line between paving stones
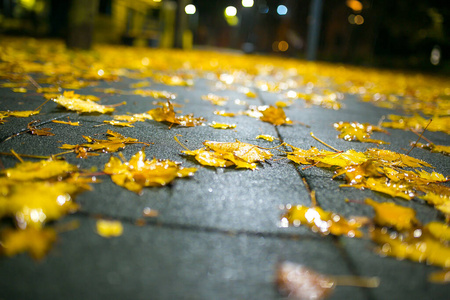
{"x":4,"y":139}
{"x":280,"y":137}
{"x":351,"y":266}
{"x":198,"y":228}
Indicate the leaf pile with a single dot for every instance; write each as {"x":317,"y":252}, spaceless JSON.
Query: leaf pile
{"x":379,"y":170}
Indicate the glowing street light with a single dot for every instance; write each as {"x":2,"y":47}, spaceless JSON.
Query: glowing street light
{"x":247,"y":3}
{"x":282,"y":10}
{"x":190,"y":9}
{"x":230,"y":11}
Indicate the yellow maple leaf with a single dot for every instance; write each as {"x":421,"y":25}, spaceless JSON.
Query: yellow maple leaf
{"x":354,"y":131}
{"x":40,"y":170}
{"x":439,"y":230}
{"x":139,"y":172}
{"x":440,"y":201}
{"x":224,"y":113}
{"x":19,"y":90}
{"x":83,"y":106}
{"x":167,"y":114}
{"x":107,"y":228}
{"x":34,"y":203}
{"x":115,"y":141}
{"x":417,"y":122}
{"x":434,"y":148}
{"x":66,"y":122}
{"x":37,"y":242}
{"x":392,"y":215}
{"x":247,"y":152}
{"x":133,"y":118}
{"x":274,"y":115}
{"x":392,"y":158}
{"x":321,"y":221}
{"x":21,"y":114}
{"x":156,"y":94}
{"x":222,"y":125}
{"x":382,"y":185}
{"x":422,"y":247}
{"x":440,"y":277}
{"x":118,"y":123}
{"x":266,"y":137}
{"x":219,"y":154}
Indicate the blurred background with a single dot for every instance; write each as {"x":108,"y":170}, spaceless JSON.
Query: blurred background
{"x":410,"y":34}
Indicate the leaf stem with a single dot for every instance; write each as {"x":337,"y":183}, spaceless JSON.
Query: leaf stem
{"x":178,"y":141}
{"x":16,"y":155}
{"x":366,"y":282}
{"x":322,"y":142}
{"x":420,"y":136}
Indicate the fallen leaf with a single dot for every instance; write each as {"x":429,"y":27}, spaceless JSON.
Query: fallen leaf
{"x":83,"y":106}
{"x":107,"y":228}
{"x":167,"y":114}
{"x":224,"y":113}
{"x":118,"y":123}
{"x":417,"y":122}
{"x":439,"y":230}
{"x":40,"y":170}
{"x":217,"y":154}
{"x":140,"y":172}
{"x":115,"y":141}
{"x":133,"y":118}
{"x":274,"y":115}
{"x":66,"y":122}
{"x":41,"y":132}
{"x":321,"y":221}
{"x":156,"y":94}
{"x":19,"y":90}
{"x":222,"y":125}
{"x":266,"y":137}
{"x":19,"y":114}
{"x":417,"y":246}
{"x":354,"y":131}
{"x":299,"y":282}
{"x":37,"y":242}
{"x":440,"y":277}
{"x":433,"y":148}
{"x":392,"y":215}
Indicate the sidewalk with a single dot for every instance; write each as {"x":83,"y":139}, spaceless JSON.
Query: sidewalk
{"x":217,"y":234}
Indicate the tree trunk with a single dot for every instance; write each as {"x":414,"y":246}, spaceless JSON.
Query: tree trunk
{"x":81,"y":24}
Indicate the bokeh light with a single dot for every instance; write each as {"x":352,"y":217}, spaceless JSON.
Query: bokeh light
{"x":247,"y":3}
{"x":282,"y":10}
{"x":190,"y":9}
{"x":230,"y":11}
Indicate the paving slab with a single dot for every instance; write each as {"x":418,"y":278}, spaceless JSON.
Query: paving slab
{"x":152,"y":262}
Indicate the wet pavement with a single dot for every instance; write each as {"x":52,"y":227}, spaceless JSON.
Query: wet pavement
{"x":217,"y":234}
